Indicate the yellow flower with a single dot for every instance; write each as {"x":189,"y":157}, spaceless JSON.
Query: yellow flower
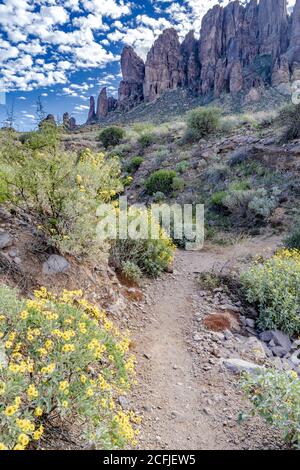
{"x":23,"y":439}
{"x":83,"y":379}
{"x":8,"y":344}
{"x":65,"y":404}
{"x":32,"y":392}
{"x":18,"y":401}
{"x":10,"y":410}
{"x":18,"y":447}
{"x":68,"y":348}
{"x":294,"y":374}
{"x":90,"y":392}
{"x":24,"y":315}
{"x":63,"y":386}
{"x":3,"y":446}
{"x":38,"y":411}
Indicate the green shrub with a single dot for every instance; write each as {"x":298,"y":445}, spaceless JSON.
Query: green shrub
{"x":131,"y":271}
{"x":293,"y":240}
{"x":204,"y":121}
{"x":66,"y":360}
{"x":120,"y":151}
{"x":62,"y":192}
{"x":289,"y":118}
{"x":275,"y":396}
{"x":217,"y":198}
{"x":111,"y":136}
{"x":152,"y":255}
{"x":273,"y":287}
{"x":182,"y":167}
{"x":134,"y":164}
{"x":146,"y":139}
{"x":178,"y":184}
{"x":161,"y":181}
{"x":159,"y":197}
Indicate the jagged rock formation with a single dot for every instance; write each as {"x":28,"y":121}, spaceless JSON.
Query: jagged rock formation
{"x":242,"y":48}
{"x":69,"y":122}
{"x":133,"y":72}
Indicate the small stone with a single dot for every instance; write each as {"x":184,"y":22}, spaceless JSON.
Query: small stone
{"x":295,"y":358}
{"x":197,"y":337}
{"x":5,"y":240}
{"x":123,"y":402}
{"x":55,"y":264}
{"x":278,"y":351}
{"x":250,"y":322}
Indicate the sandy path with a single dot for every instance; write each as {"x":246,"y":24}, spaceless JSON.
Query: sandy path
{"x":168,"y":390}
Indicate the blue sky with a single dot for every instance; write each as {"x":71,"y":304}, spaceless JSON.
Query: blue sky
{"x":64,"y":51}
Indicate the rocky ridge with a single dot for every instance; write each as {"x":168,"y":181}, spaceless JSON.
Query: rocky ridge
{"x":241,"y":48}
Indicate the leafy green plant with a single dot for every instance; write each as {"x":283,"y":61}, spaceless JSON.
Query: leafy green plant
{"x":134,"y":164}
{"x":66,"y":361}
{"x":289,"y":118}
{"x":293,"y":240}
{"x":146,"y":139}
{"x":161,"y":181}
{"x":275,"y":395}
{"x":131,"y":271}
{"x":182,"y":167}
{"x":204,"y":121}
{"x":217,"y":198}
{"x":152,"y":254}
{"x":273,"y":286}
{"x":177,"y":184}
{"x":111,"y":136}
{"x":62,"y":192}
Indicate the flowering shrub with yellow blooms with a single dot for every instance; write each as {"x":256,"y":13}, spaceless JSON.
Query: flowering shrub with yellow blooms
{"x":275,"y":395}
{"x":151,"y":255}
{"x":274,"y":287}
{"x":63,"y":191}
{"x":65,"y":362}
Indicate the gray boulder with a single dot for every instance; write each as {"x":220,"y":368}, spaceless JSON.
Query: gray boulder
{"x":5,"y":240}
{"x":237,"y":366}
{"x":277,"y":338}
{"x":55,"y":264}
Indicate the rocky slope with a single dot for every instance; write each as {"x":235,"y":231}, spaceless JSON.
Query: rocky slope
{"x":241,"y":48}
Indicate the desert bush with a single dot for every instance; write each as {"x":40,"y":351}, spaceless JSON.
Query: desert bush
{"x":121,"y":150}
{"x":293,"y":240}
{"x":275,"y":395}
{"x":161,"y":181}
{"x":66,"y":362}
{"x":134,"y":164}
{"x":152,"y":255}
{"x":131,"y":271}
{"x":159,"y":197}
{"x":289,"y":119}
{"x":63,"y":192}
{"x":182,"y":166}
{"x":273,"y":286}
{"x":146,"y":139}
{"x":249,"y":203}
{"x":111,"y":136}
{"x":178,"y":184}
{"x":204,"y":121}
{"x":218,"y":197}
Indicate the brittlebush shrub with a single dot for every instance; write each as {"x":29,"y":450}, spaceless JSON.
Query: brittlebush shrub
{"x":161,"y":181}
{"x":293,"y":240}
{"x":202,"y":122}
{"x":66,"y":363}
{"x":62,"y":191}
{"x":273,"y":286}
{"x":275,"y":396}
{"x":289,"y":118}
{"x":152,"y":254}
{"x":111,"y":136}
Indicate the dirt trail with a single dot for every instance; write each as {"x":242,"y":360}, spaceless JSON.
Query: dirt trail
{"x":168,"y":393}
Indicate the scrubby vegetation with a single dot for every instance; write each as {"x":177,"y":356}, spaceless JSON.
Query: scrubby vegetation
{"x":161,"y":181}
{"x":149,"y":248}
{"x":289,"y":119}
{"x":66,"y":361}
{"x":273,"y":286}
{"x":61,"y":190}
{"x":111,"y":136}
{"x":275,"y":396}
{"x":202,"y":122}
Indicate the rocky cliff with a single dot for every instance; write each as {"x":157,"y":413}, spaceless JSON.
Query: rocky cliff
{"x":242,"y":48}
